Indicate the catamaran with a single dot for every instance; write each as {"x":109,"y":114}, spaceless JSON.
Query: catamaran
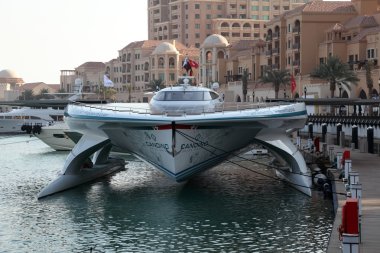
{"x":184,"y":130}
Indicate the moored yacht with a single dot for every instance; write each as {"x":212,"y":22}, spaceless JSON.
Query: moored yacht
{"x":182,"y":131}
{"x":25,"y":118}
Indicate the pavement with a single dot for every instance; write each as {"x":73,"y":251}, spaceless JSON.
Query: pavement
{"x":368,"y":166}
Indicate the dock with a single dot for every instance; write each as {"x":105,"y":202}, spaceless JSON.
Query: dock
{"x":368,"y":166}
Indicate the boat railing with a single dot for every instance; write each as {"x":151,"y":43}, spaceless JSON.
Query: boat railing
{"x":223,"y":108}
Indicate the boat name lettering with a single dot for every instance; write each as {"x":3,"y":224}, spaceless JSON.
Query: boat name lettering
{"x":193,"y":145}
{"x":157,"y":145}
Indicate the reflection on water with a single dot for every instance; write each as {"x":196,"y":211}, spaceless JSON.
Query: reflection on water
{"x":225,"y":209}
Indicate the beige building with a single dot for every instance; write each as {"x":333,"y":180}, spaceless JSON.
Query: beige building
{"x":90,"y":73}
{"x":142,"y":62}
{"x":301,"y":39}
{"x":191,"y":21}
{"x":10,"y":83}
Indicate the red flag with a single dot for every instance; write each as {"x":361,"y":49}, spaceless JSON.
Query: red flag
{"x":293,"y":83}
{"x":193,"y":64}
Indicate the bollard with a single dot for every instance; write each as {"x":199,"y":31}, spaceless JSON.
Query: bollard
{"x":370,"y":139}
{"x":350,"y":243}
{"x":347,"y":169}
{"x":339,"y":156}
{"x":355,"y":139}
{"x":349,"y":228}
{"x":353,"y":177}
{"x":342,"y":139}
{"x":310,"y":130}
{"x":338,"y":131}
{"x":356,"y":193}
{"x":324,"y":132}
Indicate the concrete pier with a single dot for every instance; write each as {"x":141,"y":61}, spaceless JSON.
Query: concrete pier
{"x":368,"y":167}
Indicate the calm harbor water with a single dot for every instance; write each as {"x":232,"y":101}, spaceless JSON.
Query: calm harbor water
{"x":225,"y":209}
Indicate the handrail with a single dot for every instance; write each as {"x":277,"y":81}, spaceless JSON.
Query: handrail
{"x":224,"y":107}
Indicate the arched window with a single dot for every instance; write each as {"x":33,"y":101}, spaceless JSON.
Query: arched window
{"x":161,"y":63}
{"x":235,"y":25}
{"x":153,"y":62}
{"x":171,"y":63}
{"x":362,"y":95}
{"x":225,"y":25}
{"x":208,"y":56}
{"x":246,"y":25}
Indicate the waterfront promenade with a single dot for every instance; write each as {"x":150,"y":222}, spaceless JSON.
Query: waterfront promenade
{"x":368,"y":166}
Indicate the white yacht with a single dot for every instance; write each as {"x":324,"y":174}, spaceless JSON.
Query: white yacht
{"x":57,"y":136}
{"x":184,"y":130}
{"x":29,"y":119}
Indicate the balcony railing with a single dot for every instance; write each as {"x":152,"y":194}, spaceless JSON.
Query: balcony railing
{"x":296,"y":29}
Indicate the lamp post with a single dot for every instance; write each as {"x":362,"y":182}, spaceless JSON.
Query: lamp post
{"x":304,"y":91}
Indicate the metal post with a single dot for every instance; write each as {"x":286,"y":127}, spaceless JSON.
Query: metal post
{"x":370,"y":139}
{"x":324,"y":132}
{"x":355,"y":139}
{"x":310,"y":130}
{"x":338,"y":130}
{"x":347,"y":168}
{"x":339,"y":156}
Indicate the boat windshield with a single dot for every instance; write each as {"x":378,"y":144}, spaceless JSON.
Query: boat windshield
{"x":183,"y":96}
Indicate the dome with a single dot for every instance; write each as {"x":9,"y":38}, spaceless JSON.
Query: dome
{"x":7,"y":73}
{"x":165,"y":48}
{"x":215,"y":40}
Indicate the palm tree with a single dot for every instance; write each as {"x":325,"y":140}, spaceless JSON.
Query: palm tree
{"x":277,"y":77}
{"x":27,"y":95}
{"x":156,"y":84}
{"x":335,"y":72}
{"x":369,"y":81}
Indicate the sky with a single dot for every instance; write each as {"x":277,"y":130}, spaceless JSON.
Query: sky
{"x":41,"y":37}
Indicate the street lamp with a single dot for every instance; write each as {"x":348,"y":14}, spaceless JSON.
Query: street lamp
{"x":304,"y":91}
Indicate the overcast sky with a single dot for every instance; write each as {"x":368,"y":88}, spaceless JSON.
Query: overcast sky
{"x":41,"y":37}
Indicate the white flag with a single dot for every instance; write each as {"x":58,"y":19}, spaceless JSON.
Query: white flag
{"x":107,"y":82}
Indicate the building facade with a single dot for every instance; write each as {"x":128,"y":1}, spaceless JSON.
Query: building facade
{"x":190,"y":22}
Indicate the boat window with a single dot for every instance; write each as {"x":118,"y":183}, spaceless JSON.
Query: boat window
{"x":181,"y":96}
{"x":159,"y":96}
{"x":34,"y":117}
{"x":8,"y":117}
{"x":214,"y":95}
{"x":59,"y":135}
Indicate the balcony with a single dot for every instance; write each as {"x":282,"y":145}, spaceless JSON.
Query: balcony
{"x":276,"y":50}
{"x":276,"y":35}
{"x":276,"y":66}
{"x":296,"y":29}
{"x":268,"y":52}
{"x":296,"y":46}
{"x":296,"y":62}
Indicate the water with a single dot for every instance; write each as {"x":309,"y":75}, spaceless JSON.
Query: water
{"x":225,"y":209}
